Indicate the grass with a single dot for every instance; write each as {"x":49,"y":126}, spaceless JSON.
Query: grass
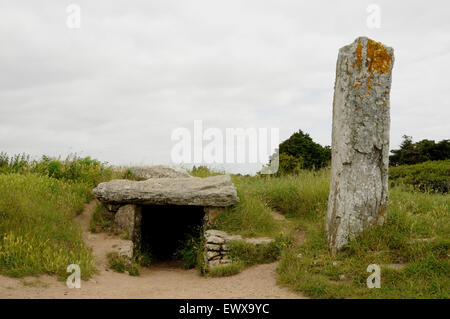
{"x":249,"y":254}
{"x":101,"y":220}
{"x":412,"y":216}
{"x":226,"y":270}
{"x":121,"y":264}
{"x":415,"y":236}
{"x":39,"y":200}
{"x":304,"y":194}
{"x":72,"y":169}
{"x":38,"y":232}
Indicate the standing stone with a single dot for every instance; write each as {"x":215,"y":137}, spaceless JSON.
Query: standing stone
{"x":360,"y":144}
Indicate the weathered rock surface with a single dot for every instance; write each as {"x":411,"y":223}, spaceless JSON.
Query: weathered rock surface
{"x":128,"y":219}
{"x":210,"y":191}
{"x":126,"y":249}
{"x":360,"y":143}
{"x":158,"y":171}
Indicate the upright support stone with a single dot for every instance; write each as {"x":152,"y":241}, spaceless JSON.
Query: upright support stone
{"x":128,"y":218}
{"x":360,"y":144}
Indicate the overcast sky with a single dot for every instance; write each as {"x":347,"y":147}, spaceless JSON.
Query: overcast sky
{"x":117,"y":87}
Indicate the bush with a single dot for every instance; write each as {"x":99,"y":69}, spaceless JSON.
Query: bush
{"x":204,"y":171}
{"x":73,"y":169}
{"x":431,"y":176}
{"x":121,"y":264}
{"x":226,"y":270}
{"x":191,"y":249}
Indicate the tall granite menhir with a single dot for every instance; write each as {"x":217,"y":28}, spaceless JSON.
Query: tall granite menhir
{"x":360,"y":144}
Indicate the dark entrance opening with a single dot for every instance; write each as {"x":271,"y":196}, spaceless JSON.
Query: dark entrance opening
{"x":164,"y":227}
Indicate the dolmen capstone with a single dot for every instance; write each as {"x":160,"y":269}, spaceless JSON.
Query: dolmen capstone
{"x":216,"y":191}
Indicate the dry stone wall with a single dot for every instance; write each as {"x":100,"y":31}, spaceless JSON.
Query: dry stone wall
{"x":217,"y":246}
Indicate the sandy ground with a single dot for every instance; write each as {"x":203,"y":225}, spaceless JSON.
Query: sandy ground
{"x":162,"y":280}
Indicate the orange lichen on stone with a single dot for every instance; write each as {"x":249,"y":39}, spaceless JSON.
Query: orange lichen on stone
{"x":379,"y":58}
{"x":357,"y":85}
{"x":359,"y":56}
{"x":382,"y":212}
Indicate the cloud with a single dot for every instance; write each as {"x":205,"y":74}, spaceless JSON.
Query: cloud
{"x":117,"y":87}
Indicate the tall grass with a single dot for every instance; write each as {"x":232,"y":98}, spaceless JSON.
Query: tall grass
{"x":251,"y":216}
{"x":38,"y":202}
{"x":304,"y":194}
{"x":415,"y":236}
{"x":37,"y":230}
{"x":72,"y":169}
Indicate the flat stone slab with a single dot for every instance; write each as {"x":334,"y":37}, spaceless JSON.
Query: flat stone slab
{"x":216,"y":191}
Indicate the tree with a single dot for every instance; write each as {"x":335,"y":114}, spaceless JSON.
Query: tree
{"x":419,"y":152}
{"x":300,"y":152}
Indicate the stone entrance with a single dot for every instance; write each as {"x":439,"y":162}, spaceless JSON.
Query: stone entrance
{"x":157,"y":213}
{"x":164,"y":226}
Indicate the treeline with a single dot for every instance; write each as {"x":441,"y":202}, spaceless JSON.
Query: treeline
{"x":414,"y":153}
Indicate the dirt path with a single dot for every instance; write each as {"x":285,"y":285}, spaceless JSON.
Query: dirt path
{"x":157,"y":281}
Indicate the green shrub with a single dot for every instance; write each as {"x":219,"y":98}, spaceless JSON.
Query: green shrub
{"x":190,"y":250}
{"x":204,"y":171}
{"x":116,"y":262}
{"x":73,"y":169}
{"x":144,"y":259}
{"x":226,"y":270}
{"x":121,"y":264}
{"x":431,"y":176}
